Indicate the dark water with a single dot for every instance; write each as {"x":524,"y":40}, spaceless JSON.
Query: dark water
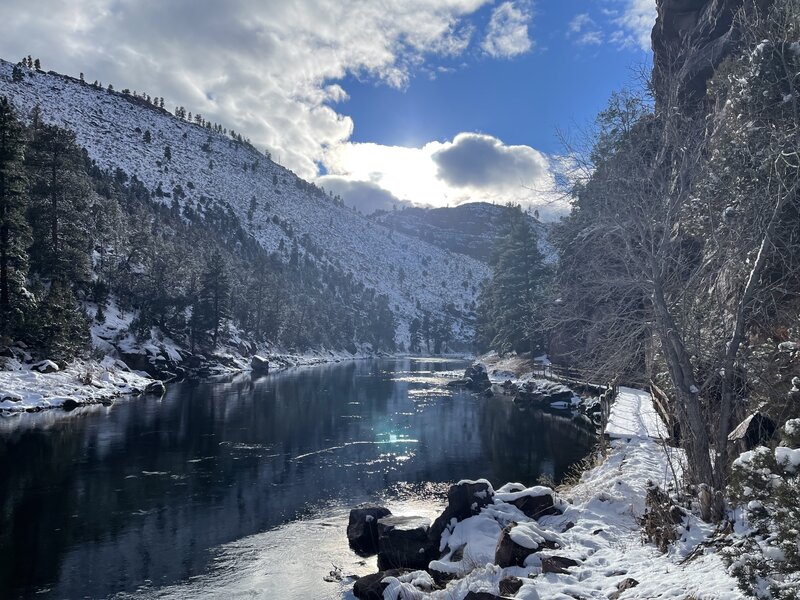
{"x":243,"y":487}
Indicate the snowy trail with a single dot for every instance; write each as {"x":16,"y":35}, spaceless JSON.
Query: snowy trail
{"x":634,"y":416}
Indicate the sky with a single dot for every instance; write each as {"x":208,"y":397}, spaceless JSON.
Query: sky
{"x":432,"y":102}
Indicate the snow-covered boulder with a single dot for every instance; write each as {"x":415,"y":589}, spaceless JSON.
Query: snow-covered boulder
{"x":259,"y":365}
{"x":536,"y":502}
{"x":371,"y":587}
{"x":518,"y":541}
{"x":45,"y":366}
{"x":362,"y":528}
{"x":11,"y":397}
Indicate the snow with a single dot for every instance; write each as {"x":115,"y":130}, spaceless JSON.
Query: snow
{"x":598,"y":529}
{"x":788,"y":458}
{"x":605,"y":540}
{"x":24,"y":389}
{"x":633,"y":415}
{"x":792,"y":427}
{"x":530,"y":535}
{"x":106,"y":124}
{"x":506,"y":494}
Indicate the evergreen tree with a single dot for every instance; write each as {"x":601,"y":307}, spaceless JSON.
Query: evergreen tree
{"x":511,"y":304}
{"x":59,"y":202}
{"x":214,"y":297}
{"x":14,"y":229}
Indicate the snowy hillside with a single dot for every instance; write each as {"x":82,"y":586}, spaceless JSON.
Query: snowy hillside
{"x":190,"y":165}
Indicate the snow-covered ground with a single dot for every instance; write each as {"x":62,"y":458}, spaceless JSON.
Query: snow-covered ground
{"x":633,"y":415}
{"x":82,"y":382}
{"x":598,"y":529}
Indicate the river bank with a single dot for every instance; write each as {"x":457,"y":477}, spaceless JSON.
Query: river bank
{"x":34,"y":386}
{"x":594,"y":548}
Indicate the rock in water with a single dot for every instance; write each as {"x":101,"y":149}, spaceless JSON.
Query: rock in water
{"x":259,"y":365}
{"x":156,"y":387}
{"x":403,"y":542}
{"x":362,"y":528}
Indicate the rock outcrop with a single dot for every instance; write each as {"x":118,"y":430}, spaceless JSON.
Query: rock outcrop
{"x":690,"y":39}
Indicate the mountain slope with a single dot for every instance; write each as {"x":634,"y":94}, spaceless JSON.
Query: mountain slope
{"x":188,"y":165}
{"x":468,"y":229}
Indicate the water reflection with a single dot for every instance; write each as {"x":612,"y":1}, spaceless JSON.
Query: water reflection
{"x":108,"y":499}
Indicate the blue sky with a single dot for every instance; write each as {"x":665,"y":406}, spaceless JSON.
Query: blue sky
{"x":434,"y":102}
{"x":559,"y":83}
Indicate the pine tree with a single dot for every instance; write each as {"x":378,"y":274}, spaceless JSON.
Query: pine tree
{"x":14,"y":229}
{"x":214,"y":297}
{"x":59,"y":201}
{"x":511,"y":304}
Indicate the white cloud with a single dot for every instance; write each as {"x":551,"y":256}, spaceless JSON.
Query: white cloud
{"x":264,"y":68}
{"x":507,"y":34}
{"x":584,"y":31}
{"x":579,"y":22}
{"x":635,"y":23}
{"x":471,"y":167}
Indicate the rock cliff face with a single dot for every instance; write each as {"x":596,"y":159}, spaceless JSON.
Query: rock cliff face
{"x":690,"y":39}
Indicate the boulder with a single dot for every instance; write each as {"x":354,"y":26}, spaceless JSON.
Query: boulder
{"x":542,"y":393}
{"x":45,"y":366}
{"x":482,"y":596}
{"x":464,"y":500}
{"x":518,"y":542}
{"x":70,"y":404}
{"x":509,"y":586}
{"x":11,"y":397}
{"x":362,"y":528}
{"x":622,"y":586}
{"x":371,"y":587}
{"x":535,"y":502}
{"x":557,"y":564}
{"x":259,"y":365}
{"x":403,"y":542}
{"x":476,"y":378}
{"x":155,"y":387}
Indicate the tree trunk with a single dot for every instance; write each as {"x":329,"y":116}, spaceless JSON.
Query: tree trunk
{"x":697,"y":443}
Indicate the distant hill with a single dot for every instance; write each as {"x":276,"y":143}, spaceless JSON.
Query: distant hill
{"x":467,"y":229}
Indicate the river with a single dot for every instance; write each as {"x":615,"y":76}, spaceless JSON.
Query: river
{"x":242,"y":487}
